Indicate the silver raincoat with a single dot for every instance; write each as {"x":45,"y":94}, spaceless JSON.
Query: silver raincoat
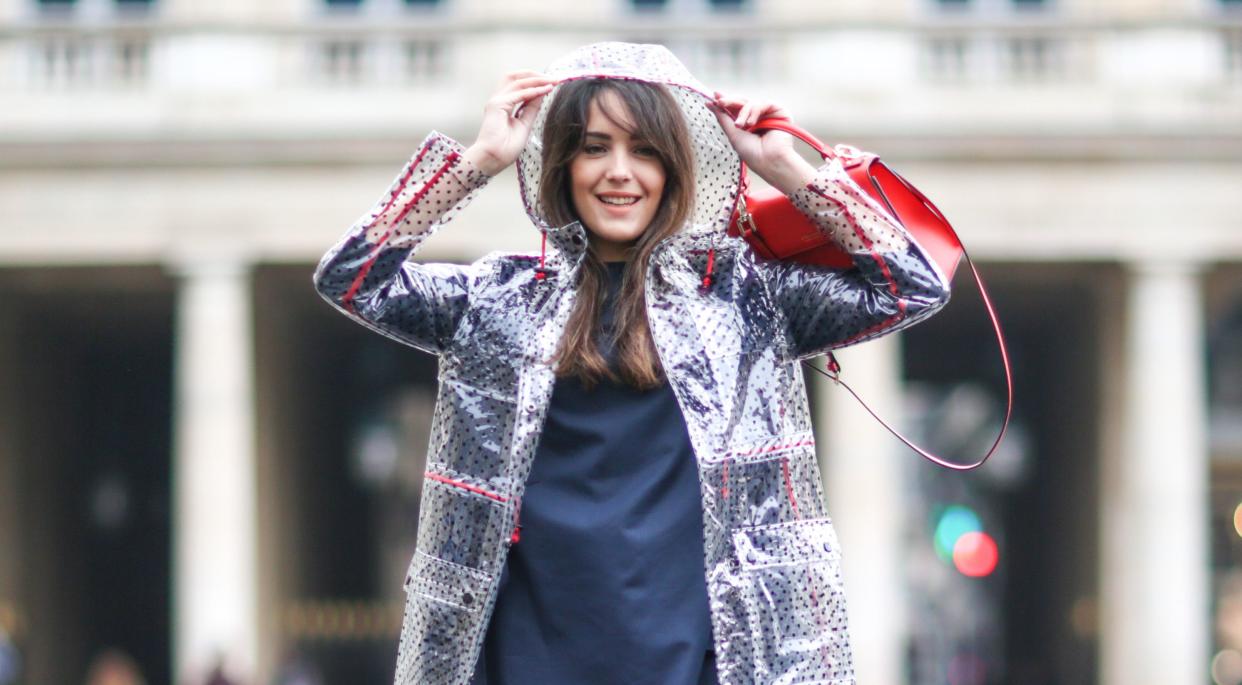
{"x":730,"y":352}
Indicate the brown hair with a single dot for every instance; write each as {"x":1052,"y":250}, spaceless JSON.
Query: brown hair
{"x":655,"y":116}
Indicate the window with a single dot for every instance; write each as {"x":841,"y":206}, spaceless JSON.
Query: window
{"x":691,"y":6}
{"x":1029,"y":6}
{"x":94,"y":8}
{"x":56,"y":7}
{"x":992,"y":6}
{"x":131,"y":8}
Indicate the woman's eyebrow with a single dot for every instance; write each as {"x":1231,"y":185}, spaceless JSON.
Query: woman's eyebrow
{"x":598,"y":134}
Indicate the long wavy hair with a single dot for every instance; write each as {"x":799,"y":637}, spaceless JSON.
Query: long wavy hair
{"x":654,"y":116}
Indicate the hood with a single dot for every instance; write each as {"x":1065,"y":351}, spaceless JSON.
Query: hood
{"x":717,"y":165}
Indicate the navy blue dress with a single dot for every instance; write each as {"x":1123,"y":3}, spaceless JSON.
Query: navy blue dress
{"x":607,"y":583}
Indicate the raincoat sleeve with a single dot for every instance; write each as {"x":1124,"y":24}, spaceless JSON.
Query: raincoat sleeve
{"x":366,"y":274}
{"x":893,"y":283}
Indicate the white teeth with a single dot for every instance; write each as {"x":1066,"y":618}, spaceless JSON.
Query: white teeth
{"x":618,"y":200}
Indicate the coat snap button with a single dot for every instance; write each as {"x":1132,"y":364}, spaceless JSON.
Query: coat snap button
{"x":827,"y":547}
{"x":467,"y":599}
{"x":751,"y":557}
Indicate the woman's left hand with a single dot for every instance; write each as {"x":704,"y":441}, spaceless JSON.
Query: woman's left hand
{"x":770,"y":154}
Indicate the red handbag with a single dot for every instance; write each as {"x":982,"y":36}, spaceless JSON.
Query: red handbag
{"x":775,"y":229}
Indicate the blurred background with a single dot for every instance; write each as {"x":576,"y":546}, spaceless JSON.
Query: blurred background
{"x":208,"y":475}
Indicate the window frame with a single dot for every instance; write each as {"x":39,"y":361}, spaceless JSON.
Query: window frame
{"x":689,"y":7}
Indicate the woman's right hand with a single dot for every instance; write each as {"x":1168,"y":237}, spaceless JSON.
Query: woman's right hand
{"x":507,"y":119}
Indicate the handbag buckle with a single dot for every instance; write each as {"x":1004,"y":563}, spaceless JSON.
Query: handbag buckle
{"x":745,"y":222}
{"x":848,"y":151}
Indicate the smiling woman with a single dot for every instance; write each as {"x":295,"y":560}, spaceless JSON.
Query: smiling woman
{"x":622,"y":486}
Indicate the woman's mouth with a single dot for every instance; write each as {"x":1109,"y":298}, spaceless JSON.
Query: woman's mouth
{"x":618,"y":200}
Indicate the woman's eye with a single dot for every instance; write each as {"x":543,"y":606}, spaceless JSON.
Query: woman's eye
{"x":645,"y":151}
{"x":594,"y":149}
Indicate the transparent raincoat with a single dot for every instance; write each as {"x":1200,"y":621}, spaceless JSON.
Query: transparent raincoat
{"x":730,"y":352}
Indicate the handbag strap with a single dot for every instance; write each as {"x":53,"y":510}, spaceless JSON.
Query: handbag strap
{"x":834,"y":367}
{"x":834,"y":373}
{"x":796,"y":131}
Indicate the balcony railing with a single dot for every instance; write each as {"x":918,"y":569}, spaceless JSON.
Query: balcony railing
{"x":359,"y":60}
{"x":1027,"y":56}
{"x":84,"y":60}
{"x":401,"y":51}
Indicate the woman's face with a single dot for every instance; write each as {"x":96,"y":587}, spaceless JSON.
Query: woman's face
{"x":617,"y":181}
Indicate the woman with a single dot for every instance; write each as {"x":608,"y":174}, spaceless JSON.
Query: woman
{"x":622,"y":484}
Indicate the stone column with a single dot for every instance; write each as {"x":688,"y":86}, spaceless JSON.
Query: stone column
{"x":10,"y":487}
{"x":1154,"y":581}
{"x":864,"y":478}
{"x":214,"y":573}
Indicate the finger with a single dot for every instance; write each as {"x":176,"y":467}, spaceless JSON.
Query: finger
{"x":731,"y":108}
{"x":732,"y":104}
{"x":732,"y":132}
{"x":756,"y":109}
{"x":515,"y":75}
{"x":528,"y":82}
{"x":511,"y":101}
{"x":530,"y":109}
{"x":743,"y":115}
{"x":772,"y":110}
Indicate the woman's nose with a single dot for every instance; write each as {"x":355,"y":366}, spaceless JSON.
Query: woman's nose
{"x":619,"y":168}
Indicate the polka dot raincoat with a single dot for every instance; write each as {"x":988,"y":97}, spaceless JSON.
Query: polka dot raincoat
{"x":730,"y":351}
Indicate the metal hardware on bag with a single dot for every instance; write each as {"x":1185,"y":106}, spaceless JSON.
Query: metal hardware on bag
{"x":850,"y":156}
{"x":745,"y":222}
{"x":847,"y":151}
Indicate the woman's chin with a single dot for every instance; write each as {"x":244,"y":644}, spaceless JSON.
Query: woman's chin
{"x":624,"y":236}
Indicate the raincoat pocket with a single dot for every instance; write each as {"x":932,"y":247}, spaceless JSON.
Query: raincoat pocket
{"x":443,"y":611}
{"x":796,"y":602}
